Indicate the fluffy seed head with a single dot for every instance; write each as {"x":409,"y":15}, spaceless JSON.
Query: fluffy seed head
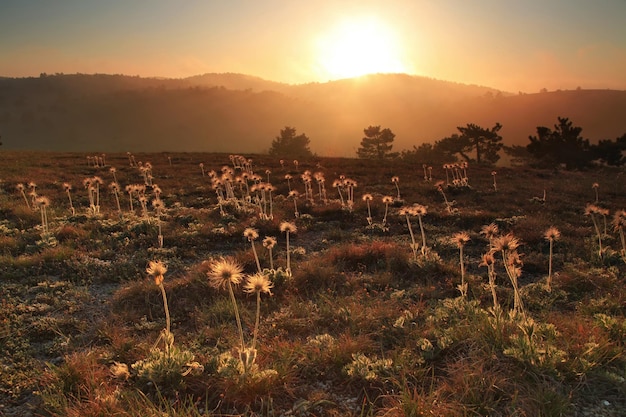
{"x":552,"y":234}
{"x":489,"y":231}
{"x":460,"y":238}
{"x":156,"y":269}
{"x":507,"y":243}
{"x":258,"y":283}
{"x":487,"y":259}
{"x":223,"y":272}
{"x":42,"y":201}
{"x":269,"y":242}
{"x":419,"y":210}
{"x":250,"y":233}
{"x":619,"y":220}
{"x":288,"y":227}
{"x":367,"y":197}
{"x":591,"y":209}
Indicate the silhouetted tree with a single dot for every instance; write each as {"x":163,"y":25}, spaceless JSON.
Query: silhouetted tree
{"x":473,"y":138}
{"x":611,"y":152}
{"x":563,"y":145}
{"x":377,"y":144}
{"x":426,"y":153}
{"x":291,"y":145}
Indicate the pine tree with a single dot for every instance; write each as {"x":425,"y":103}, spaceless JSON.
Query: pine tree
{"x":377,"y":144}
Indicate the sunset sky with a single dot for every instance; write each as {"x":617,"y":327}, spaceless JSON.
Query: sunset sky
{"x":510,"y":45}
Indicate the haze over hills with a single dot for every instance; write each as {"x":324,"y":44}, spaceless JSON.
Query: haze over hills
{"x":238,"y":113}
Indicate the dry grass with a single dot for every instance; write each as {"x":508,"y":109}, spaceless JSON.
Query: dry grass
{"x":362,"y":327}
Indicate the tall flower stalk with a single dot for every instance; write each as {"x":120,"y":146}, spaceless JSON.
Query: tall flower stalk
{"x":269,"y":243}
{"x":386,"y":201}
{"x":157,"y":270}
{"x":252,"y":234}
{"x":551,"y":235}
{"x":407,"y":212}
{"x":68,"y":187}
{"x":367,"y":198}
{"x":159,"y":206}
{"x":21,"y":189}
{"x":489,"y":261}
{"x":294,"y":194}
{"x":257,"y":284}
{"x":224,"y":274}
{"x":592,"y":211}
{"x":421,"y":211}
{"x":507,"y":245}
{"x":288,"y":228}
{"x":43,"y":203}
{"x":395,"y":180}
{"x":461,"y":239}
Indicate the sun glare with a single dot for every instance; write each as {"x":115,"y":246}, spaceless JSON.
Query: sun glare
{"x":357,"y":47}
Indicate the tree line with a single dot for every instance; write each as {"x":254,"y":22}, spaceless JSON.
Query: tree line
{"x":561,"y":145}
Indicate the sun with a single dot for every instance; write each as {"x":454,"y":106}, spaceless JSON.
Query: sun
{"x":359,"y":46}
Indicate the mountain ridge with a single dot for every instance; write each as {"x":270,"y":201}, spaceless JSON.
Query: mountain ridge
{"x":239,"y":113}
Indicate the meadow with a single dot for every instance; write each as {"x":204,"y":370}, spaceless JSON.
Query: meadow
{"x":189,"y":284}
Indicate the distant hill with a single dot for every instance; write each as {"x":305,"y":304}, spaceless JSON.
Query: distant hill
{"x":242,"y":114}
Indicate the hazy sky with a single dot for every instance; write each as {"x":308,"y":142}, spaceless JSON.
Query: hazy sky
{"x":510,"y":45}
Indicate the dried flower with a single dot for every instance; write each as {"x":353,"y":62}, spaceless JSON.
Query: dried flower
{"x":460,"y":238}
{"x":250,"y":233}
{"x":223,"y":272}
{"x":552,"y":233}
{"x":490,"y":231}
{"x":156,"y":269}
{"x":269,"y":242}
{"x":288,"y":227}
{"x":507,"y":242}
{"x":258,"y":283}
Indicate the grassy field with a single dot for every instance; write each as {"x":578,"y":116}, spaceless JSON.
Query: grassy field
{"x":370,"y":289}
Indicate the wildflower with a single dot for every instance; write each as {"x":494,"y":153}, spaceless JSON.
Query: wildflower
{"x":251,"y":234}
{"x":592,"y":210}
{"x":367,"y":198}
{"x":156,"y":269}
{"x":395,"y":180}
{"x":461,"y":238}
{"x":225,"y":272}
{"x":269,"y":242}
{"x":490,"y":231}
{"x":288,"y":227}
{"x":489,"y":261}
{"x":551,"y":235}
{"x":386,"y":201}
{"x":419,"y":210}
{"x":506,"y":243}
{"x":258,"y":283}
{"x":595,"y":186}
